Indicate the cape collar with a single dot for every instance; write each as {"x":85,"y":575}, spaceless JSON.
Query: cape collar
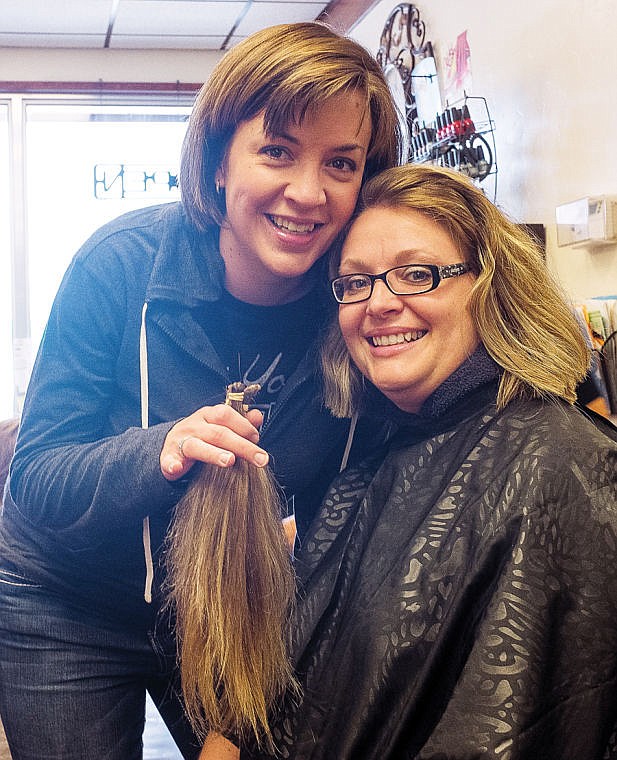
{"x":469,"y":388}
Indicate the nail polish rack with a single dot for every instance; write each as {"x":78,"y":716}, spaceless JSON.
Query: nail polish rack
{"x":461,"y":138}
{"x":462,"y":135}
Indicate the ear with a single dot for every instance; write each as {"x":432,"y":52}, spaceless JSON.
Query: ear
{"x":219,"y":177}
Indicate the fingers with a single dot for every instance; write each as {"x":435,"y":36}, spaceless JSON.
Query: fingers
{"x":255,"y":417}
{"x":215,"y":435}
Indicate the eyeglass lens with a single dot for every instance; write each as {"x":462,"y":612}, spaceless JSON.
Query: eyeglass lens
{"x":404,"y":280}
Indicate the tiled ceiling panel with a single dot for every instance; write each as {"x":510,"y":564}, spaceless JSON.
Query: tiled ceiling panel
{"x":61,"y":23}
{"x":261,"y":14}
{"x":176,"y":17}
{"x":182,"y":24}
{"x":174,"y":23}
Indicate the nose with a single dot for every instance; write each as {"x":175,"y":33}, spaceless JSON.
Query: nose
{"x":383,"y":300}
{"x":305,"y":187}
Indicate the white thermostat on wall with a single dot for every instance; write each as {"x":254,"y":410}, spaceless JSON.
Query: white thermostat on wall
{"x":587,"y":222}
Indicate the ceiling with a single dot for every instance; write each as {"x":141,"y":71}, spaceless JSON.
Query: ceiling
{"x":158,"y":24}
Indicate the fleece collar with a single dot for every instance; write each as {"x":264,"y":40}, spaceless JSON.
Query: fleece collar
{"x":469,"y":388}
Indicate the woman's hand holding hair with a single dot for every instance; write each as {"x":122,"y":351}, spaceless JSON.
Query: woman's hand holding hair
{"x":215,"y":435}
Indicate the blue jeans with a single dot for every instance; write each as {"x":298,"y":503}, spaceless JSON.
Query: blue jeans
{"x":73,"y":688}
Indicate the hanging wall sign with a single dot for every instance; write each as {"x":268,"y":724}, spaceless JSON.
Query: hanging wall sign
{"x":117,"y":181}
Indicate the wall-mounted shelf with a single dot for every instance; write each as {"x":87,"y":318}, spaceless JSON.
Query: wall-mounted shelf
{"x":462,"y":137}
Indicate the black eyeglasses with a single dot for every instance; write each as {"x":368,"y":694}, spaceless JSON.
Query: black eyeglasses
{"x":406,"y":280}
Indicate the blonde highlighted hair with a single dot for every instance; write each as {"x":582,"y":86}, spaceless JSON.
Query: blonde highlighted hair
{"x":284,"y":71}
{"x":524,"y":321}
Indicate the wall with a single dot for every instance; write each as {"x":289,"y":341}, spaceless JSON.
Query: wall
{"x":547,"y":69}
{"x":59,"y":65}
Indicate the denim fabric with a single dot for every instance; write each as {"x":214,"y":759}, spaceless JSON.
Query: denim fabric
{"x":72,"y":687}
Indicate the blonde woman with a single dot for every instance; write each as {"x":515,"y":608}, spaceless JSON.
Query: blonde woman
{"x":457,"y":594}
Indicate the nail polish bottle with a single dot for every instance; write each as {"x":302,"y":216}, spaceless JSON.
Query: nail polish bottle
{"x":482,"y":164}
{"x":468,"y":126}
{"x":458,"y":128}
{"x":447,"y":121}
{"x":439,"y":123}
{"x":465,"y":166}
{"x":430,"y":142}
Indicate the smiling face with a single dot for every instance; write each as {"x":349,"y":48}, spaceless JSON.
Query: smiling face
{"x":406,"y":345}
{"x":288,"y":196}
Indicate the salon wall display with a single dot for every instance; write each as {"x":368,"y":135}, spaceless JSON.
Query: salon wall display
{"x":409,"y":65}
{"x":459,"y":135}
{"x":462,"y":138}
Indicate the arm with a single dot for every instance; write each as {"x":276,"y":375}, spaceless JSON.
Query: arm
{"x":74,"y":462}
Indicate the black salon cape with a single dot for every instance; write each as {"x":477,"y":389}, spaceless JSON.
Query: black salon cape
{"x":459,"y":600}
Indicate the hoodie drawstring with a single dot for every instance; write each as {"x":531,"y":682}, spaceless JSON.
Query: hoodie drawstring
{"x":143,"y":384}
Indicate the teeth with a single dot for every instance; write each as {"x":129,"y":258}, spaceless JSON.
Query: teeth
{"x":392,"y":340}
{"x":287,"y":224}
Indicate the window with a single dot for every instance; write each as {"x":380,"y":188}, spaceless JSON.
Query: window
{"x":6,"y":291}
{"x":79,"y":162}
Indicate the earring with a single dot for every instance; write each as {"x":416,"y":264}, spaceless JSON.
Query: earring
{"x":217,"y":186}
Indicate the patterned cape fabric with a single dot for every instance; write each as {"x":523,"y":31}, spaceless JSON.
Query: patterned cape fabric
{"x":459,"y":598}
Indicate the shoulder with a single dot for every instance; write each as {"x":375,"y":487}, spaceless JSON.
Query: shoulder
{"x":559,"y":442}
{"x":141,"y":230}
{"x":570,"y":464}
{"x":556,"y":420}
{"x":126,"y":249}
{"x":149,"y":217}
{"x":571,"y":431}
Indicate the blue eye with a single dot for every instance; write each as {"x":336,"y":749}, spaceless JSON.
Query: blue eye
{"x":344,"y":164}
{"x":356,"y":282}
{"x":348,"y":287}
{"x":414,"y":275}
{"x":274,"y":151}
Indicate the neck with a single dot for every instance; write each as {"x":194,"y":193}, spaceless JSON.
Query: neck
{"x":273,"y":293}
{"x":477,"y":370}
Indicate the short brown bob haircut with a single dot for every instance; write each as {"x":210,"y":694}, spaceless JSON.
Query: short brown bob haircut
{"x":284,"y":71}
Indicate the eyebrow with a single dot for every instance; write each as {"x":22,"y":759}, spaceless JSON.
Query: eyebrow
{"x":407,"y":256}
{"x":345,"y":148}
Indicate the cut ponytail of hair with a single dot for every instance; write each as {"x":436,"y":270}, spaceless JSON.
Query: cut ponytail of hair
{"x":231,"y":585}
